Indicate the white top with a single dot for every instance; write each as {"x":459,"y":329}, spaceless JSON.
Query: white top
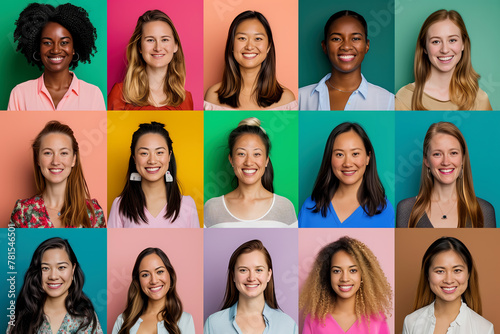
{"x":185,"y":323}
{"x":281,"y":213}
{"x":423,"y":321}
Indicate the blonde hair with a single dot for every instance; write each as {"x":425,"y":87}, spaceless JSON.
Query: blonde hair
{"x":464,"y":83}
{"x":373,"y":297}
{"x":136,"y":83}
{"x":469,"y":211}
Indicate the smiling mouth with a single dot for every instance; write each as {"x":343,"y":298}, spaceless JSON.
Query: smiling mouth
{"x":56,"y":60}
{"x":152,"y":170}
{"x":55,"y":170}
{"x":346,"y":288}
{"x":346,"y":57}
{"x":249,"y":171}
{"x":449,"y":290}
{"x":251,"y":286}
{"x":156,"y":288}
{"x":54,"y":285}
{"x":445,"y":59}
{"x":447,"y":171}
{"x":157,"y":55}
{"x":348,"y":172}
{"x":249,"y":55}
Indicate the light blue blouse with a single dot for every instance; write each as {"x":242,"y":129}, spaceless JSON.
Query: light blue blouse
{"x":224,"y":321}
{"x":358,"y":218}
{"x":366,"y":97}
{"x":185,"y":323}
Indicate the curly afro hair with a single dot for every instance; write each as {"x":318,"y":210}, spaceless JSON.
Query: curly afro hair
{"x":75,"y":19}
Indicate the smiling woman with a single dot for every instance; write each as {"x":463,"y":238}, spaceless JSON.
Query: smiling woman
{"x":55,"y":39}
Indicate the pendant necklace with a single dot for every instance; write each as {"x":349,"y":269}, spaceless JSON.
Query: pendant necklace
{"x":445,"y":215}
{"x":340,"y":90}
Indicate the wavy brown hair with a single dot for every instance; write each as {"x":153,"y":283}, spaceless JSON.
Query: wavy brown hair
{"x":137,"y":301}
{"x":77,"y":200}
{"x":469,"y":211}
{"x":425,"y":296}
{"x":136,"y":83}
{"x":267,"y":89}
{"x":464,"y":83}
{"x":374,"y":296}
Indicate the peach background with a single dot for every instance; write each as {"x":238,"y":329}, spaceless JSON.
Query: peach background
{"x":19,"y":129}
{"x":187,"y":259}
{"x":411,"y":245}
{"x":186,"y":131}
{"x":379,"y":240}
{"x":282,"y":15}
{"x":188,"y":20}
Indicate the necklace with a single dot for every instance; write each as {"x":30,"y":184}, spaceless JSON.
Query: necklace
{"x":445,"y":214}
{"x":340,"y":90}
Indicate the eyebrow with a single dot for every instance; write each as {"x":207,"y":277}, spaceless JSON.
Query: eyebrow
{"x":60,"y":38}
{"x":244,"y":149}
{"x":244,"y":33}
{"x":150,"y":36}
{"x":443,"y":267}
{"x":354,"y":33}
{"x":63,"y":262}
{"x":147,"y":148}
{"x":351,"y":149}
{"x":354,"y":265}
{"x":446,"y":36}
{"x":147,"y":271}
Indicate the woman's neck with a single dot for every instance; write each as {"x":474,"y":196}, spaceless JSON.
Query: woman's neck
{"x":156,"y":77}
{"x":348,"y":190}
{"x":345,"y":306}
{"x":251,"y":305}
{"x":154,"y":189}
{"x":249,"y":79}
{"x":53,"y":195}
{"x":444,"y":192}
{"x":447,"y":309}
{"x":438,"y":84}
{"x":55,"y":305}
{"x":57,"y":80}
{"x":252,"y":191}
{"x":346,"y":82}
{"x":155,"y":307}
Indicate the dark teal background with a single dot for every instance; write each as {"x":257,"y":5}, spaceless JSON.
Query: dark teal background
{"x":482,"y":21}
{"x":15,"y":68}
{"x":480,"y":129}
{"x":89,"y":246}
{"x":378,"y":65}
{"x":282,"y":129}
{"x":314,"y":129}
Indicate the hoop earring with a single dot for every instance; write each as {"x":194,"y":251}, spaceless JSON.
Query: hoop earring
{"x":77,"y":57}
{"x":34,"y":53}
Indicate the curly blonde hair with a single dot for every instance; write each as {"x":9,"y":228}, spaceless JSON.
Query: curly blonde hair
{"x":374,"y":296}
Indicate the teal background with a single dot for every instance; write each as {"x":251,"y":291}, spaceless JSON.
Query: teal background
{"x":89,"y":246}
{"x":15,"y":68}
{"x":282,"y":129}
{"x":481,"y":20}
{"x":378,"y":65}
{"x":315,"y":127}
{"x":480,"y":130}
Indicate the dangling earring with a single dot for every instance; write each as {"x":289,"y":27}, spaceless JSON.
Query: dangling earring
{"x":461,"y":175}
{"x":77,"y":57}
{"x":169,"y":177}
{"x":34,"y":53}
{"x":135,"y":177}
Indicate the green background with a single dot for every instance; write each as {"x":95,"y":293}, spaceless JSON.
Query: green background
{"x":15,"y":68}
{"x":378,"y":65}
{"x":480,"y":129}
{"x":282,"y":129}
{"x":315,"y":127}
{"x":483,"y":25}
{"x":89,"y":246}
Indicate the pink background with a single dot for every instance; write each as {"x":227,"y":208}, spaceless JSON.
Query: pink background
{"x":184,"y":248}
{"x":379,"y":240}
{"x":19,"y":129}
{"x":188,"y":20}
{"x":282,"y":16}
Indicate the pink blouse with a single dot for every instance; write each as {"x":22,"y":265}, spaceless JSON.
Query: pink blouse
{"x":377,"y":325}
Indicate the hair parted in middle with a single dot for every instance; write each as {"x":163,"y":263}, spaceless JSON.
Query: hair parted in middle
{"x":231,"y":295}
{"x":252,"y":126}
{"x":374,"y":296}
{"x":371,"y":193}
{"x":133,"y":200}
{"x":77,"y":198}
{"x":30,"y":302}
{"x":469,"y":210}
{"x":343,"y":13}
{"x":137,"y":301}
{"x":464,"y":83}
{"x":136,"y":83}
{"x":267,"y":89}
{"x":425,"y":296}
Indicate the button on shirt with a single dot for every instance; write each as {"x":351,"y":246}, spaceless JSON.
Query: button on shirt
{"x":423,"y":321}
{"x":366,"y":97}
{"x":224,"y":321}
{"x":33,"y":95}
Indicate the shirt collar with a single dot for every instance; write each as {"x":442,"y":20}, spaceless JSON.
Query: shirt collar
{"x":459,"y":320}
{"x":73,"y":87}
{"x":267,"y":312}
{"x":322,"y":87}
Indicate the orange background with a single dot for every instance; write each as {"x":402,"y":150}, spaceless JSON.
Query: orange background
{"x":282,"y":16}
{"x":19,"y":129}
{"x":411,"y":245}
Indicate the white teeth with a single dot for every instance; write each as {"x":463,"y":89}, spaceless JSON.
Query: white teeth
{"x":56,"y":170}
{"x":55,"y":284}
{"x":152,"y":169}
{"x":346,"y":57}
{"x":157,"y":56}
{"x":446,"y":170}
{"x":56,"y":58}
{"x":155,"y":289}
{"x":249,"y":171}
{"x":449,"y":289}
{"x":252,"y":285}
{"x":345,"y":287}
{"x":249,"y":55}
{"x":445,"y":58}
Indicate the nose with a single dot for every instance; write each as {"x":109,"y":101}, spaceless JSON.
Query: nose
{"x":55,"y":159}
{"x":153,"y":279}
{"x":249,"y":44}
{"x":52,"y":275}
{"x":346,"y":44}
{"x":344,"y":277}
{"x":152,"y":159}
{"x":444,"y":47}
{"x":251,"y":275}
{"x":446,"y":160}
{"x":448,"y":278}
{"x":347,"y":161}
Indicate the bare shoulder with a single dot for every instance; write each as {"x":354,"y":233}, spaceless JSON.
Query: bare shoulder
{"x":287,"y":96}
{"x":211,"y":94}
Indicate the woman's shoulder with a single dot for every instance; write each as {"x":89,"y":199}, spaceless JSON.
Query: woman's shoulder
{"x":482,"y":101}
{"x":185,"y":321}
{"x":118,"y":324}
{"x":406,"y":203}
{"x":423,"y":312}
{"x":408,"y":89}
{"x":286,"y":97}
{"x":479,"y":323}
{"x":99,"y":220}
{"x":279,"y":319}
{"x":488,"y":212}
{"x":211,"y":95}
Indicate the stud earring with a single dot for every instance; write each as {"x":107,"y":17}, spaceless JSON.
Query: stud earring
{"x":169,"y":177}
{"x":135,"y":177}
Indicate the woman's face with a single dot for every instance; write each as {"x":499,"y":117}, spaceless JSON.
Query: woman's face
{"x":57,"y":273}
{"x":152,"y":157}
{"x":345,"y":275}
{"x":157,"y":44}
{"x":444,"y":158}
{"x":154,"y":277}
{"x":249,"y":159}
{"x":251,"y":44}
{"x":349,"y":158}
{"x":448,"y":276}
{"x":444,"y":45}
{"x":56,"y":48}
{"x":56,"y":157}
{"x":346,"y":44}
{"x":251,"y":274}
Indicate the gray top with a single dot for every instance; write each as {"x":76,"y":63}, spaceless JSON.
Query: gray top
{"x":280,"y":214}
{"x":405,"y":206}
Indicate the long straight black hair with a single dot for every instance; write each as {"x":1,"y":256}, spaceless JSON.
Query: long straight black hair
{"x":29,"y":304}
{"x":133,"y":200}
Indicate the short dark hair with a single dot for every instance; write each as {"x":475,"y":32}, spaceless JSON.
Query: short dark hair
{"x":343,"y":13}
